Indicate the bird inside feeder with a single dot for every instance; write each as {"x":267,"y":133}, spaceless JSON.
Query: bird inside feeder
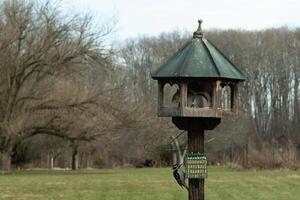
{"x":199,"y":95}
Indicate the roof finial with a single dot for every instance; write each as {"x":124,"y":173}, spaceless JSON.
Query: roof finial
{"x":198,"y":33}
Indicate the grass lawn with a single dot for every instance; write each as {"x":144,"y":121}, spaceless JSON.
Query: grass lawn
{"x":143,"y":184}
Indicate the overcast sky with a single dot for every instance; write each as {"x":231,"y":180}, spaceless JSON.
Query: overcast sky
{"x":150,"y":17}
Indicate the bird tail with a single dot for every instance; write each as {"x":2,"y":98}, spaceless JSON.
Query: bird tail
{"x":186,"y":187}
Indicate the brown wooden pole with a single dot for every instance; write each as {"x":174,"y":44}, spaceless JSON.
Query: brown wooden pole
{"x":196,"y":144}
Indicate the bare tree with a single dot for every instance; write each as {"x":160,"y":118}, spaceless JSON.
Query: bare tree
{"x":37,"y":45}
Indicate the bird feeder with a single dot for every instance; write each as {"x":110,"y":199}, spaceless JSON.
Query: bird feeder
{"x":196,"y":165}
{"x":204,"y":89}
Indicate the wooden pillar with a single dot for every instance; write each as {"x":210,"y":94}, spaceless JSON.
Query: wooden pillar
{"x":183,"y":97}
{"x":196,"y":144}
{"x":195,"y":127}
{"x":236,"y":100}
{"x":160,"y":98}
{"x":183,"y":94}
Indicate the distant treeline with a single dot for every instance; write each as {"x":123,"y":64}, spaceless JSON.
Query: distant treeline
{"x":68,"y":101}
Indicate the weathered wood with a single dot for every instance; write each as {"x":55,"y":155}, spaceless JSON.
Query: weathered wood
{"x":234,"y":98}
{"x":203,"y":112}
{"x":169,"y":111}
{"x":214,"y":96}
{"x":174,"y":111}
{"x":183,"y":96}
{"x":186,"y":123}
{"x":207,"y":112}
{"x":195,"y":127}
{"x":160,"y":98}
{"x":196,"y":144}
{"x":218,"y":94}
{"x":183,"y":110}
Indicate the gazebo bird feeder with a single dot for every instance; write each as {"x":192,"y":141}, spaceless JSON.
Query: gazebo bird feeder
{"x":207,"y":89}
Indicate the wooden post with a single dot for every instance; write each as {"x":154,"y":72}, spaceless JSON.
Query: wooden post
{"x":234,"y":98}
{"x":196,"y":144}
{"x":214,"y":100}
{"x":160,"y":95}
{"x":183,"y":94}
{"x":183,"y":97}
{"x":195,"y":127}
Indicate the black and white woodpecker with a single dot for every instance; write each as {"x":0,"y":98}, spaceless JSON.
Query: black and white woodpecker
{"x":179,"y":175}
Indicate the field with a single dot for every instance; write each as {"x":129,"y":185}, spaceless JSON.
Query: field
{"x":146,"y":184}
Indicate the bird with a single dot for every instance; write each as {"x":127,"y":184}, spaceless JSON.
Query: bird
{"x":198,"y":100}
{"x":179,"y":176}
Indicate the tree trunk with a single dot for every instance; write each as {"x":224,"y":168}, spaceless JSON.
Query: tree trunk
{"x":74,"y":158}
{"x":88,"y":161}
{"x":6,"y":162}
{"x":51,"y":161}
{"x":296,"y":103}
{"x":246,"y":152}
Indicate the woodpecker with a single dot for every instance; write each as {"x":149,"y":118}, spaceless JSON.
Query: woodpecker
{"x":179,"y":175}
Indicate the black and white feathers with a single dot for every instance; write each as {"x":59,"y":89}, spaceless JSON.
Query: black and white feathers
{"x":179,"y":176}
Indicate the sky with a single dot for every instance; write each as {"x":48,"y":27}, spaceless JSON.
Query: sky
{"x":151,"y":17}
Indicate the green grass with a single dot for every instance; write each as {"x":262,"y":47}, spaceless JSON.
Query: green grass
{"x":143,"y":184}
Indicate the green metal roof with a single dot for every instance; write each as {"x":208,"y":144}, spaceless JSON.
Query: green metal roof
{"x":199,"y":58}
